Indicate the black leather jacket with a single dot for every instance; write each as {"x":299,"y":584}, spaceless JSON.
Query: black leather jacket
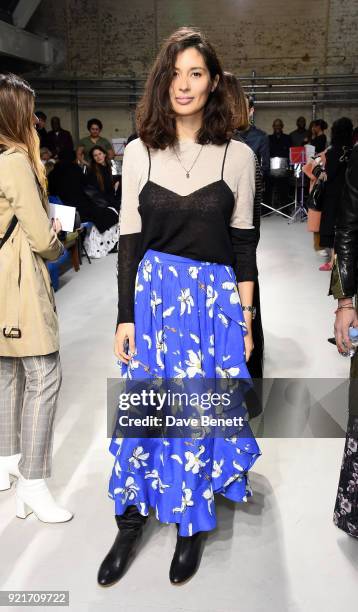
{"x":344,"y":274}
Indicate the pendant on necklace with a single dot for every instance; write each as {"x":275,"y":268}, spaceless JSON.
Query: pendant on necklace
{"x":187,"y":175}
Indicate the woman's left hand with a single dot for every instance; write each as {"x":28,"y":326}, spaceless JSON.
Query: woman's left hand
{"x":249,"y":344}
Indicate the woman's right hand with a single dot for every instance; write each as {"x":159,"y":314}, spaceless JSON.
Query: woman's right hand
{"x":124,"y":336}
{"x":345,"y":319}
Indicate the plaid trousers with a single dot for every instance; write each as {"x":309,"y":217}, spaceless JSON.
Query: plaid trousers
{"x":29,"y":388}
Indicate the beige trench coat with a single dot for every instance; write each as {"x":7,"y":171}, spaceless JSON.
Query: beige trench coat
{"x":26,"y":295}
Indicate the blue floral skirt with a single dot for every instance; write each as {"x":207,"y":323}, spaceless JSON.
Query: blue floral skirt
{"x":188,"y":324}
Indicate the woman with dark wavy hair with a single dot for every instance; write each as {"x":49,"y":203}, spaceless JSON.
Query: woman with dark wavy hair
{"x":186,"y":272}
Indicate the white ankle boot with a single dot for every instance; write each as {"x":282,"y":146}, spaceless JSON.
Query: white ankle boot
{"x":32,"y":495}
{"x":8,"y":466}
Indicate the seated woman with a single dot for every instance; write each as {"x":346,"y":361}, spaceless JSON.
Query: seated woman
{"x":69,"y":183}
{"x":101,"y":180}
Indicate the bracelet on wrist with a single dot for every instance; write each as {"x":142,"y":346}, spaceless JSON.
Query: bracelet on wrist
{"x":251,"y":309}
{"x":344,"y":308}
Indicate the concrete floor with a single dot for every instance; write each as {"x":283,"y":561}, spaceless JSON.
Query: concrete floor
{"x":280,"y":552}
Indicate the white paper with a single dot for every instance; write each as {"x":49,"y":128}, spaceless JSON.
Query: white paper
{"x":310,"y":151}
{"x":66,"y":215}
{"x":118,"y":145}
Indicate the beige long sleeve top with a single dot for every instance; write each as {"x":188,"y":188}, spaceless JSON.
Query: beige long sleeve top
{"x":207,"y":216}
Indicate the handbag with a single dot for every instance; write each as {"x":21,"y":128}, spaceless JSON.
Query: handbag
{"x":316,"y":196}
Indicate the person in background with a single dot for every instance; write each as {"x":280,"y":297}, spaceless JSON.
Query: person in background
{"x":299,"y":136}
{"x":355,"y":136}
{"x":319,"y":138}
{"x":257,"y":139}
{"x":30,"y":367}
{"x":59,"y":139}
{"x":46,"y":155}
{"x":343,"y":287}
{"x":94,"y":126}
{"x":47,"y":160}
{"x":100,"y":177}
{"x":279,"y":142}
{"x":279,"y":147}
{"x":259,"y":142}
{"x":132,"y":136}
{"x":68,"y":182}
{"x":41,"y":128}
{"x":334,"y":165}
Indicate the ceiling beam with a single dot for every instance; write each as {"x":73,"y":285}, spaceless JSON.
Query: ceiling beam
{"x":24,"y":11}
{"x":19,"y":43}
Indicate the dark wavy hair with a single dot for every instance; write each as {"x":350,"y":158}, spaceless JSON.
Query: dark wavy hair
{"x":155,"y":117}
{"x":96,"y":167}
{"x":94,"y":121}
{"x":321,"y":123}
{"x":342,"y":132}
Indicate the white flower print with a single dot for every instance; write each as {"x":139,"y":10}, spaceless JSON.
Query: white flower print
{"x":129,"y":490}
{"x":186,"y":301}
{"x":212,"y":277}
{"x":194,"y":363}
{"x":147,"y":339}
{"x":224,"y":320}
{"x":217,"y":471}
{"x":237,"y":466}
{"x":195,"y":338}
{"x":209,"y":496}
{"x":154,"y":302}
{"x":227,"y":372}
{"x":172,"y":269}
{"x":235,"y":477}
{"x":143,"y":509}
{"x":138,"y":287}
{"x":211,"y":349}
{"x":138,"y":457}
{"x":234,"y":296}
{"x":168,"y":311}
{"x":117,"y":467}
{"x":211,"y":296}
{"x":186,"y":500}
{"x":193,"y":272}
{"x":179,"y":372}
{"x":352,"y":445}
{"x":177,"y":458}
{"x":157,"y":484}
{"x":345,"y":505}
{"x":160,"y":346}
{"x":194,"y":463}
{"x":147,"y":270}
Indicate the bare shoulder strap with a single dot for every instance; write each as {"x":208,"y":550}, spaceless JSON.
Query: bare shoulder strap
{"x":222,"y":169}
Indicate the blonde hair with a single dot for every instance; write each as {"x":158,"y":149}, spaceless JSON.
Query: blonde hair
{"x":17,"y":129}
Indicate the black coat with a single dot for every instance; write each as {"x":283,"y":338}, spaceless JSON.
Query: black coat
{"x":335,"y":168}
{"x":68,"y":182}
{"x":344,"y":279}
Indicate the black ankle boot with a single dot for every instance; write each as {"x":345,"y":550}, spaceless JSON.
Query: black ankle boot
{"x":186,"y":557}
{"x":130,"y":525}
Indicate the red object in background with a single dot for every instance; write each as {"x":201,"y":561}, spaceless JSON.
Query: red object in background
{"x":297,"y":155}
